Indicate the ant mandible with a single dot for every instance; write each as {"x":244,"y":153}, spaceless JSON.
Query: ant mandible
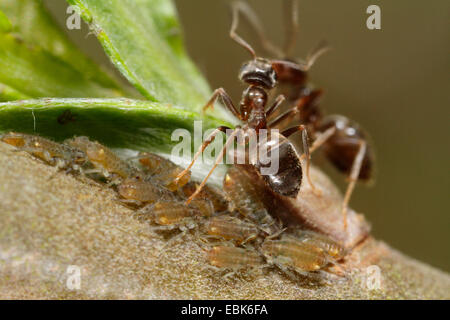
{"x":261,"y":77}
{"x":344,"y":142}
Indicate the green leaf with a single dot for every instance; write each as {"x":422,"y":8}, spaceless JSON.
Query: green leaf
{"x":5,"y":24}
{"x":37,"y":73}
{"x":32,"y":22}
{"x":143,"y":40}
{"x":8,"y":93}
{"x":118,"y":123}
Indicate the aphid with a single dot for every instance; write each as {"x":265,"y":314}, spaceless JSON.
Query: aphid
{"x":103,"y":158}
{"x":245,"y":199}
{"x":139,"y":191}
{"x":230,"y":228}
{"x":164,"y":171}
{"x":260,"y":77}
{"x":322,"y":214}
{"x":53,"y":153}
{"x":175,"y":214}
{"x":345,"y":144}
{"x":291,"y":254}
{"x":210,"y":193}
{"x":203,"y":206}
{"x":317,"y":240}
{"x":234,"y":258}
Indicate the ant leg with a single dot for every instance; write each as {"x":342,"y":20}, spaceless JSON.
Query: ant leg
{"x":283,"y":117}
{"x":278,"y":101}
{"x":226,"y":100}
{"x":320,"y":140}
{"x":235,"y":36}
{"x":288,"y":132}
{"x":216,"y":163}
{"x":291,"y":25}
{"x":289,"y":114}
{"x":310,"y":99}
{"x":354,"y":174}
{"x":208,"y":141}
{"x":255,"y":23}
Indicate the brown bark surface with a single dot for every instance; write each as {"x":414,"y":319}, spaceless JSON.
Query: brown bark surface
{"x":50,"y":220}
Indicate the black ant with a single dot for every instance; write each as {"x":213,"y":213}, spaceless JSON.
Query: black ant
{"x":344,"y":142}
{"x":261,"y":77}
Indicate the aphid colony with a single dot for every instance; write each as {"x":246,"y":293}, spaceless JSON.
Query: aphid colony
{"x":259,"y":220}
{"x":235,"y":228}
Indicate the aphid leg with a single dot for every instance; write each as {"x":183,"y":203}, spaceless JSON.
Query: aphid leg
{"x":131,"y":202}
{"x":216,"y":240}
{"x":115,"y":179}
{"x":249,"y":238}
{"x":278,"y":101}
{"x":285,"y":270}
{"x":235,"y":36}
{"x":231,"y":274}
{"x":354,"y":174}
{"x":208,"y":141}
{"x":213,"y":268}
{"x":249,"y":14}
{"x":302,"y":128}
{"x":97,"y":171}
{"x":225,"y":99}
{"x":216,"y":163}
{"x":276,"y":234}
{"x":332,"y":278}
{"x":172,"y":240}
{"x":336,"y":269}
{"x":291,"y":26}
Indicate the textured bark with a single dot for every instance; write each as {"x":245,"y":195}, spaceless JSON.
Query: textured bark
{"x":50,"y":220}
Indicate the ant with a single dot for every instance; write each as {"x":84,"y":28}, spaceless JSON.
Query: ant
{"x":260,"y":76}
{"x":344,"y":143}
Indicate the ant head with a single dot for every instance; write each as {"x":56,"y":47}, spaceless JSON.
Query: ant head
{"x":258,"y":72}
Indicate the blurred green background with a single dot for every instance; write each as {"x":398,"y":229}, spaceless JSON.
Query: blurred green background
{"x":393,"y":81}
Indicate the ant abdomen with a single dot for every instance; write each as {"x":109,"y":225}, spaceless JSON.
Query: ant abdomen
{"x":287,"y":179}
{"x":343,"y":146}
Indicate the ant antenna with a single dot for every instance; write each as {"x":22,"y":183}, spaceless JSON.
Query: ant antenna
{"x":235,"y":36}
{"x":305,"y":65}
{"x":249,"y":14}
{"x":315,"y":53}
{"x":291,"y":26}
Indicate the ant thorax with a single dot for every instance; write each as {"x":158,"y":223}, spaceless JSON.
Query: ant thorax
{"x":261,"y":77}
